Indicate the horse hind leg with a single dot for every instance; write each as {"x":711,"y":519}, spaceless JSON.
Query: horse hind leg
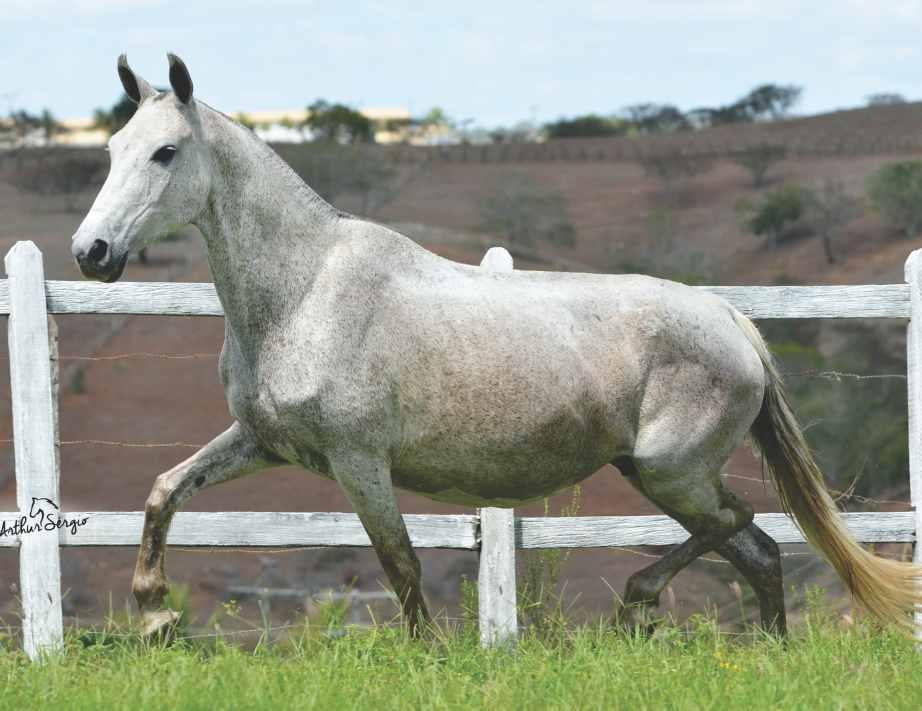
{"x":711,"y":514}
{"x":750,"y":550}
{"x":756,"y":556}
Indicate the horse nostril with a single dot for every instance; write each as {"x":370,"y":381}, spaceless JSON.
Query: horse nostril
{"x":97,"y":251}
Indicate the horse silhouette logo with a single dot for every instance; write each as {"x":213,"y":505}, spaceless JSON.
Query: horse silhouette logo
{"x":37,"y":510}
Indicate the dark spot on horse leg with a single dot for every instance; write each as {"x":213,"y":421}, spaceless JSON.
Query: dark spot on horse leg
{"x":199,"y":480}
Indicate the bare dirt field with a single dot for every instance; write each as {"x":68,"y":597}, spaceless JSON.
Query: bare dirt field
{"x":156,"y":400}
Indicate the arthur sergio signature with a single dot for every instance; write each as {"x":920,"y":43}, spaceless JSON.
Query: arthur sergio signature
{"x":44,"y":515}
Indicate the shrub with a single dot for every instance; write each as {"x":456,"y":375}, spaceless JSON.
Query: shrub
{"x":541,"y":606}
{"x":673,"y":165}
{"x":828,"y":210}
{"x":334,"y":170}
{"x":896,"y":192}
{"x":590,"y":125}
{"x":338,"y":123}
{"x":758,"y":159}
{"x":775,"y":213}
{"x":525,"y":213}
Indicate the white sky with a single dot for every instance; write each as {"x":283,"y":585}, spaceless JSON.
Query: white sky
{"x":496,"y":62}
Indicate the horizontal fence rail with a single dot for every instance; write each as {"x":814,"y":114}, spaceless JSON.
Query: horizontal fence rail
{"x":238,"y":529}
{"x":496,"y":534}
{"x":759,"y":302}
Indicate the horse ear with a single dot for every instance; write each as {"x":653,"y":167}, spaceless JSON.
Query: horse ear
{"x":180,"y":79}
{"x":136,"y":88}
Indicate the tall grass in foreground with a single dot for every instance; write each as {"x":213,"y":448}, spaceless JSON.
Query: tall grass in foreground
{"x":825,"y":664}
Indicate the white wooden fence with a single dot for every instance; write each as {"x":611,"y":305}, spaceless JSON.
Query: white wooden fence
{"x":27,"y":297}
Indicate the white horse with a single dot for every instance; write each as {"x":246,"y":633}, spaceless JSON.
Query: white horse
{"x":357,"y":354}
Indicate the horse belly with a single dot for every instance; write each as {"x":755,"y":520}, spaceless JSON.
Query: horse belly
{"x":512,"y":465}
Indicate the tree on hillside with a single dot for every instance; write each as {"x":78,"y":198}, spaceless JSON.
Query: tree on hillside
{"x":719,"y":116}
{"x":777,"y":211}
{"x":655,"y":118}
{"x":671,"y":166}
{"x":666,"y":252}
{"x":758,"y":159}
{"x":764,"y":103}
{"x":25,"y":126}
{"x":586,"y":126}
{"x":885,"y":99}
{"x":338,"y":123}
{"x":115,"y":118}
{"x":525,"y":213}
{"x":828,"y":210}
{"x":436,"y":116}
{"x":244,"y":120}
{"x":896,"y":192}
{"x":770,"y":101}
{"x":334,"y":170}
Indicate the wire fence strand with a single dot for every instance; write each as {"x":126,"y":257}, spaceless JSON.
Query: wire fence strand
{"x":823,"y":374}
{"x":112,"y":443}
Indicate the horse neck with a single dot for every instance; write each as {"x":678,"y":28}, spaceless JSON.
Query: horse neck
{"x":267,"y":233}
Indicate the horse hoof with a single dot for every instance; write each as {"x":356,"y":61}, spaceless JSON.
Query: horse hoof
{"x":634,"y":621}
{"x":160,"y":626}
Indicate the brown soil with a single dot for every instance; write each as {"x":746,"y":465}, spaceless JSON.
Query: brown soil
{"x":156,"y":400}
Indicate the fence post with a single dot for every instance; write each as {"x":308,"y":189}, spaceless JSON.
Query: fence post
{"x":496,"y":581}
{"x":914,"y":393}
{"x":34,"y":448}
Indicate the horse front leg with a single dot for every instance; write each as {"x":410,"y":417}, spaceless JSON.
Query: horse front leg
{"x":231,"y":454}
{"x":366,"y":481}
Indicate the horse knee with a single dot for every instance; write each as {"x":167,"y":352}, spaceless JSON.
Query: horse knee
{"x":158,"y":499}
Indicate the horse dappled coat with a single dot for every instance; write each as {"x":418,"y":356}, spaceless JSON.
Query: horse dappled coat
{"x":358,"y":354}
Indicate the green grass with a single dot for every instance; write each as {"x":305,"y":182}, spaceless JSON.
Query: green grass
{"x":824,"y":665}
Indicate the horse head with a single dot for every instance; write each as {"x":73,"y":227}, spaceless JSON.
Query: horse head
{"x":159,"y":176}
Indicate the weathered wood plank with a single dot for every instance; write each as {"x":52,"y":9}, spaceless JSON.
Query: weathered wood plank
{"x":862,"y":301}
{"x":496,"y":581}
{"x":255,"y":528}
{"x":164,"y":298}
{"x":285,"y":530}
{"x":615,"y":531}
{"x":914,"y":393}
{"x":34,"y":447}
{"x":759,"y":302}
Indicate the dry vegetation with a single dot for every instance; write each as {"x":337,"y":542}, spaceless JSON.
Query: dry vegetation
{"x":594,"y":207}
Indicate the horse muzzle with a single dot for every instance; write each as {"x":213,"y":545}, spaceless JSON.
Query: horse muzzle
{"x":98,"y":262}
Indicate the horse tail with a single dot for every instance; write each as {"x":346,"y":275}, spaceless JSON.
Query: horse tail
{"x":888,"y":589}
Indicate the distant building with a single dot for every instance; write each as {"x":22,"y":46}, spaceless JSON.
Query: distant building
{"x":391,"y":125}
{"x":81,"y":132}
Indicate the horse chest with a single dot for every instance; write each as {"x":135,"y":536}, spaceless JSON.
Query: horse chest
{"x":299,"y":408}
{"x":283,"y":406}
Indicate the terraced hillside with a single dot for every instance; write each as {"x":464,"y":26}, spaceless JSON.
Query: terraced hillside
{"x":622,"y":220}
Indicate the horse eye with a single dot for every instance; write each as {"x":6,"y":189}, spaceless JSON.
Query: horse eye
{"x":164,"y":155}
